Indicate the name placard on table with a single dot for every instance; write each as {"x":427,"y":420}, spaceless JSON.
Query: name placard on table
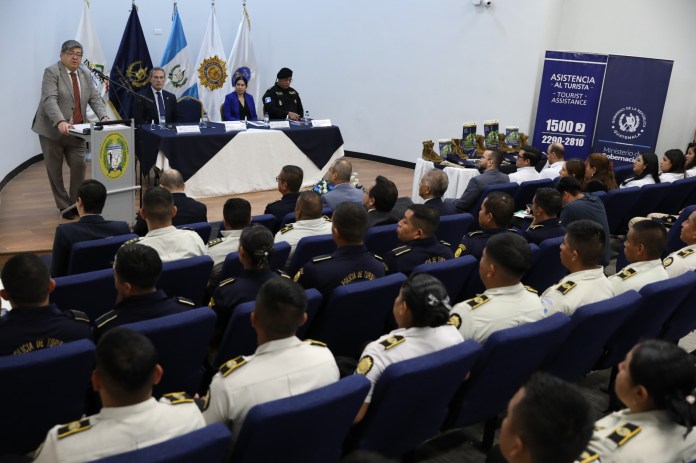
{"x":321,"y":122}
{"x":235,"y":126}
{"x":188,"y":129}
{"x":279,"y":124}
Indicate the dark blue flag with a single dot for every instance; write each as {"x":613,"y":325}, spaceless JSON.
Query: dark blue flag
{"x":131,"y":67}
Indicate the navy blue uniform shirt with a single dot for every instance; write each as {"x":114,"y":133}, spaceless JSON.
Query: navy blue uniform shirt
{"x":424,"y":251}
{"x":545,"y":230}
{"x":474,"y":242}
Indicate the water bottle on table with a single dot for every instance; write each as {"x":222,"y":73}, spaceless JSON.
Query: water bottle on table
{"x":204,"y":121}
{"x":266,"y":120}
{"x":307,"y":120}
{"x":162,"y":122}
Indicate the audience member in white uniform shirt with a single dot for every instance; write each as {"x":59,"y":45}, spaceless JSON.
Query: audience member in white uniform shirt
{"x":672,"y":166}
{"x":309,"y":221}
{"x":690,"y":156}
{"x":421,"y":311}
{"x":684,"y":260}
{"x":236,"y":215}
{"x":527,"y":159}
{"x":556,"y":155}
{"x":645,"y":171}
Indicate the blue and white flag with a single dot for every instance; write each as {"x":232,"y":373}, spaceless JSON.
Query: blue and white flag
{"x":242,"y":60}
{"x":211,"y":69}
{"x":177,"y":64}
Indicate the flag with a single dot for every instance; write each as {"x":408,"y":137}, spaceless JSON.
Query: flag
{"x":91,"y":47}
{"x":178,"y":67}
{"x":131,"y":66}
{"x":243,"y":60}
{"x":211,"y":67}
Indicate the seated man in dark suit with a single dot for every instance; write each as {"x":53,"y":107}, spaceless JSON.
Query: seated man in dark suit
{"x":91,"y":197}
{"x":489,"y":164}
{"x":546,"y":206}
{"x":432,"y":187}
{"x":188,"y":210}
{"x":494,"y":218}
{"x":163,"y":102}
{"x":289,"y":183}
{"x":33,"y":323}
{"x":379,"y":201}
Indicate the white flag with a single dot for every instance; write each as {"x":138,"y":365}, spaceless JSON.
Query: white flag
{"x":93,"y":53}
{"x":211,"y":68}
{"x":178,"y":67}
{"x":242,"y":60}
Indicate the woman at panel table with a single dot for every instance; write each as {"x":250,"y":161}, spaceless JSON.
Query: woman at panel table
{"x":690,"y":166}
{"x":239,"y":104}
{"x":645,"y":171}
{"x":672,"y":166}
{"x":599,"y":173}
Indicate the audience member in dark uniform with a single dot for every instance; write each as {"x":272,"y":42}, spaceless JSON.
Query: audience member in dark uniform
{"x":163,"y":102}
{"x":339,"y":175}
{"x":379,"y":201}
{"x":417,"y":230}
{"x":188,"y":210}
{"x":432,"y":187}
{"x":494,"y":218}
{"x":546,"y":206}
{"x":91,"y":196}
{"x":350,"y":262}
{"x":491,"y":175}
{"x":136,"y":271}
{"x":239,"y":105}
{"x":255,"y":251}
{"x":289,"y":183}
{"x":33,"y":323}
{"x":282,"y":101}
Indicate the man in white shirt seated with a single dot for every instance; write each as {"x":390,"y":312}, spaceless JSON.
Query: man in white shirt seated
{"x":236,"y":215}
{"x":556,"y":154}
{"x":309,"y":221}
{"x":527,"y":159}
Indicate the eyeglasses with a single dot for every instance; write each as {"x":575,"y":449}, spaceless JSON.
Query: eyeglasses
{"x":278,"y":179}
{"x":73,"y":54}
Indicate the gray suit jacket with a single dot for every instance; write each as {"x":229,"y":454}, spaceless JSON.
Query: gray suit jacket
{"x":57,"y":101}
{"x":342,"y":193}
{"x":475,"y":187}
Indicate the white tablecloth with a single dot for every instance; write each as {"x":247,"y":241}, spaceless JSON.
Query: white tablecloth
{"x":458,"y":179}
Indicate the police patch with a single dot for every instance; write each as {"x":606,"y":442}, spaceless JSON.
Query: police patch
{"x":114,"y":155}
{"x":455,"y":320}
{"x":267,"y":100}
{"x":667,"y":262}
{"x":212,"y":73}
{"x":365,"y":365}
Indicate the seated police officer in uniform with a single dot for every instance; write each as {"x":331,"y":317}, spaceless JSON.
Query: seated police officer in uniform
{"x":351,"y":262}
{"x":91,"y":197}
{"x":236,"y":214}
{"x":379,"y":201}
{"x":417,"y":230}
{"x":136,"y":271}
{"x":546,"y":205}
{"x":643,"y":247}
{"x":339,"y":175}
{"x":33,"y":323}
{"x":125,"y":372}
{"x":282,"y":366}
{"x":581,"y":254}
{"x":282,"y":101}
{"x":432,"y":187}
{"x":162,"y":103}
{"x":170,"y":242}
{"x":289,"y":183}
{"x":684,"y":260}
{"x":506,"y":302}
{"x":309,"y":221}
{"x":493,"y":218}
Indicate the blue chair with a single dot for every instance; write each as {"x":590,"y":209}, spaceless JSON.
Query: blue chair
{"x":232,"y":266}
{"x":88,"y":256}
{"x":452,"y":273}
{"x":41,"y":389}
{"x":648,"y":200}
{"x":93,"y":293}
{"x":623,"y":172}
{"x":396,"y":422}
{"x":509,"y":188}
{"x":202,"y":228}
{"x":267,"y":220}
{"x":190,"y":109}
{"x":308,"y":248}
{"x":591,"y":327}
{"x":208,"y":444}
{"x":453,"y":227}
{"x":382,"y":239}
{"x":182,"y":342}
{"x":186,"y":277}
{"x":308,"y":427}
{"x":356,"y":314}
{"x":290,"y":216}
{"x":617,"y":203}
{"x":508,"y":358}
{"x":682,"y":321}
{"x":547,"y":269}
{"x":674,"y":241}
{"x":525,"y":193}
{"x":673,"y":202}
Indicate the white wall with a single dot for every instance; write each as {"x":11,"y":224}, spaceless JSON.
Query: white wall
{"x":390,"y":73}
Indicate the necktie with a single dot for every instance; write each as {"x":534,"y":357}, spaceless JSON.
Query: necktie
{"x":160,"y":104}
{"x":77,"y":111}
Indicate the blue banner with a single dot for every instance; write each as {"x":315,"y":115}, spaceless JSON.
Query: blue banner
{"x":631,"y":109}
{"x":571,"y":86}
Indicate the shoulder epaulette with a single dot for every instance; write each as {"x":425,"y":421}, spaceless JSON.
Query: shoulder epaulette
{"x":187,"y":229}
{"x":474,"y":233}
{"x":315,"y":343}
{"x":565,"y":288}
{"x":460,"y":249}
{"x":286,"y":228}
{"x":214,"y":242}
{"x":445,"y":243}
{"x":530,"y":289}
{"x":176,"y":398}
{"x":73,"y":428}
{"x":282,"y":274}
{"x":185,"y":301}
{"x":378,"y":257}
{"x":402,"y":251}
{"x":627,"y":273}
{"x":326,"y":218}
{"x":624,"y":433}
{"x":106,"y":318}
{"x":534,"y":227}
{"x":588,"y":456}
{"x":455,"y":320}
{"x":79,"y":316}
{"x":399,"y":248}
{"x":478,"y":301}
{"x":298,"y":274}
{"x":231,"y":365}
{"x":685,"y":252}
{"x":321,"y":259}
{"x":227,"y":281}
{"x":392,"y":341}
{"x":132,"y":240}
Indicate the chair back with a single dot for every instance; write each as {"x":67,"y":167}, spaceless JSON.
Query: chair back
{"x":388,"y":427}
{"x":509,"y":188}
{"x":190,"y":109}
{"x":616,"y":203}
{"x":209,"y":444}
{"x":182,"y":342}
{"x":186,"y":278}
{"x":648,"y":200}
{"x":41,"y":389}
{"x":682,"y":321}
{"x":267,"y":220}
{"x":591,"y":327}
{"x":308,"y":248}
{"x":202,"y":228}
{"x":232,"y":266}
{"x":623,"y":172}
{"x":93,"y":293}
{"x":678,"y":193}
{"x":382,"y":239}
{"x":526,"y":191}
{"x":88,"y":256}
{"x":453,"y":273}
{"x":674,"y":241}
{"x":547,"y":268}
{"x":453,"y":227}
{"x":325,"y":414}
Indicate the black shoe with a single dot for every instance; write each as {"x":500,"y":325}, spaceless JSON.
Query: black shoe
{"x":70,"y":215}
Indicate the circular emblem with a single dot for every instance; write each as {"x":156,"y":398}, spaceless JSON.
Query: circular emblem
{"x":177,"y":76}
{"x":629,"y":123}
{"x":667,"y":262}
{"x":113,"y":155}
{"x":212,"y":73}
{"x":244,"y":72}
{"x":455,"y":320}
{"x":137,"y":74}
{"x":365,"y":365}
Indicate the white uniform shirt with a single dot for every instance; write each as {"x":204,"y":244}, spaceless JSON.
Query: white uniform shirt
{"x":647,"y":180}
{"x":525,"y":174}
{"x":278,"y":369}
{"x":552,"y":171}
{"x":669,"y":177}
{"x":403,"y":344}
{"x":120,"y":429}
{"x":172,"y":243}
{"x":691,"y":172}
{"x":681,"y":261}
{"x":576,"y":290}
{"x":220,"y":247}
{"x":496,"y":309}
{"x":647,"y":437}
{"x":292,"y":233}
{"x":637,"y":275}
